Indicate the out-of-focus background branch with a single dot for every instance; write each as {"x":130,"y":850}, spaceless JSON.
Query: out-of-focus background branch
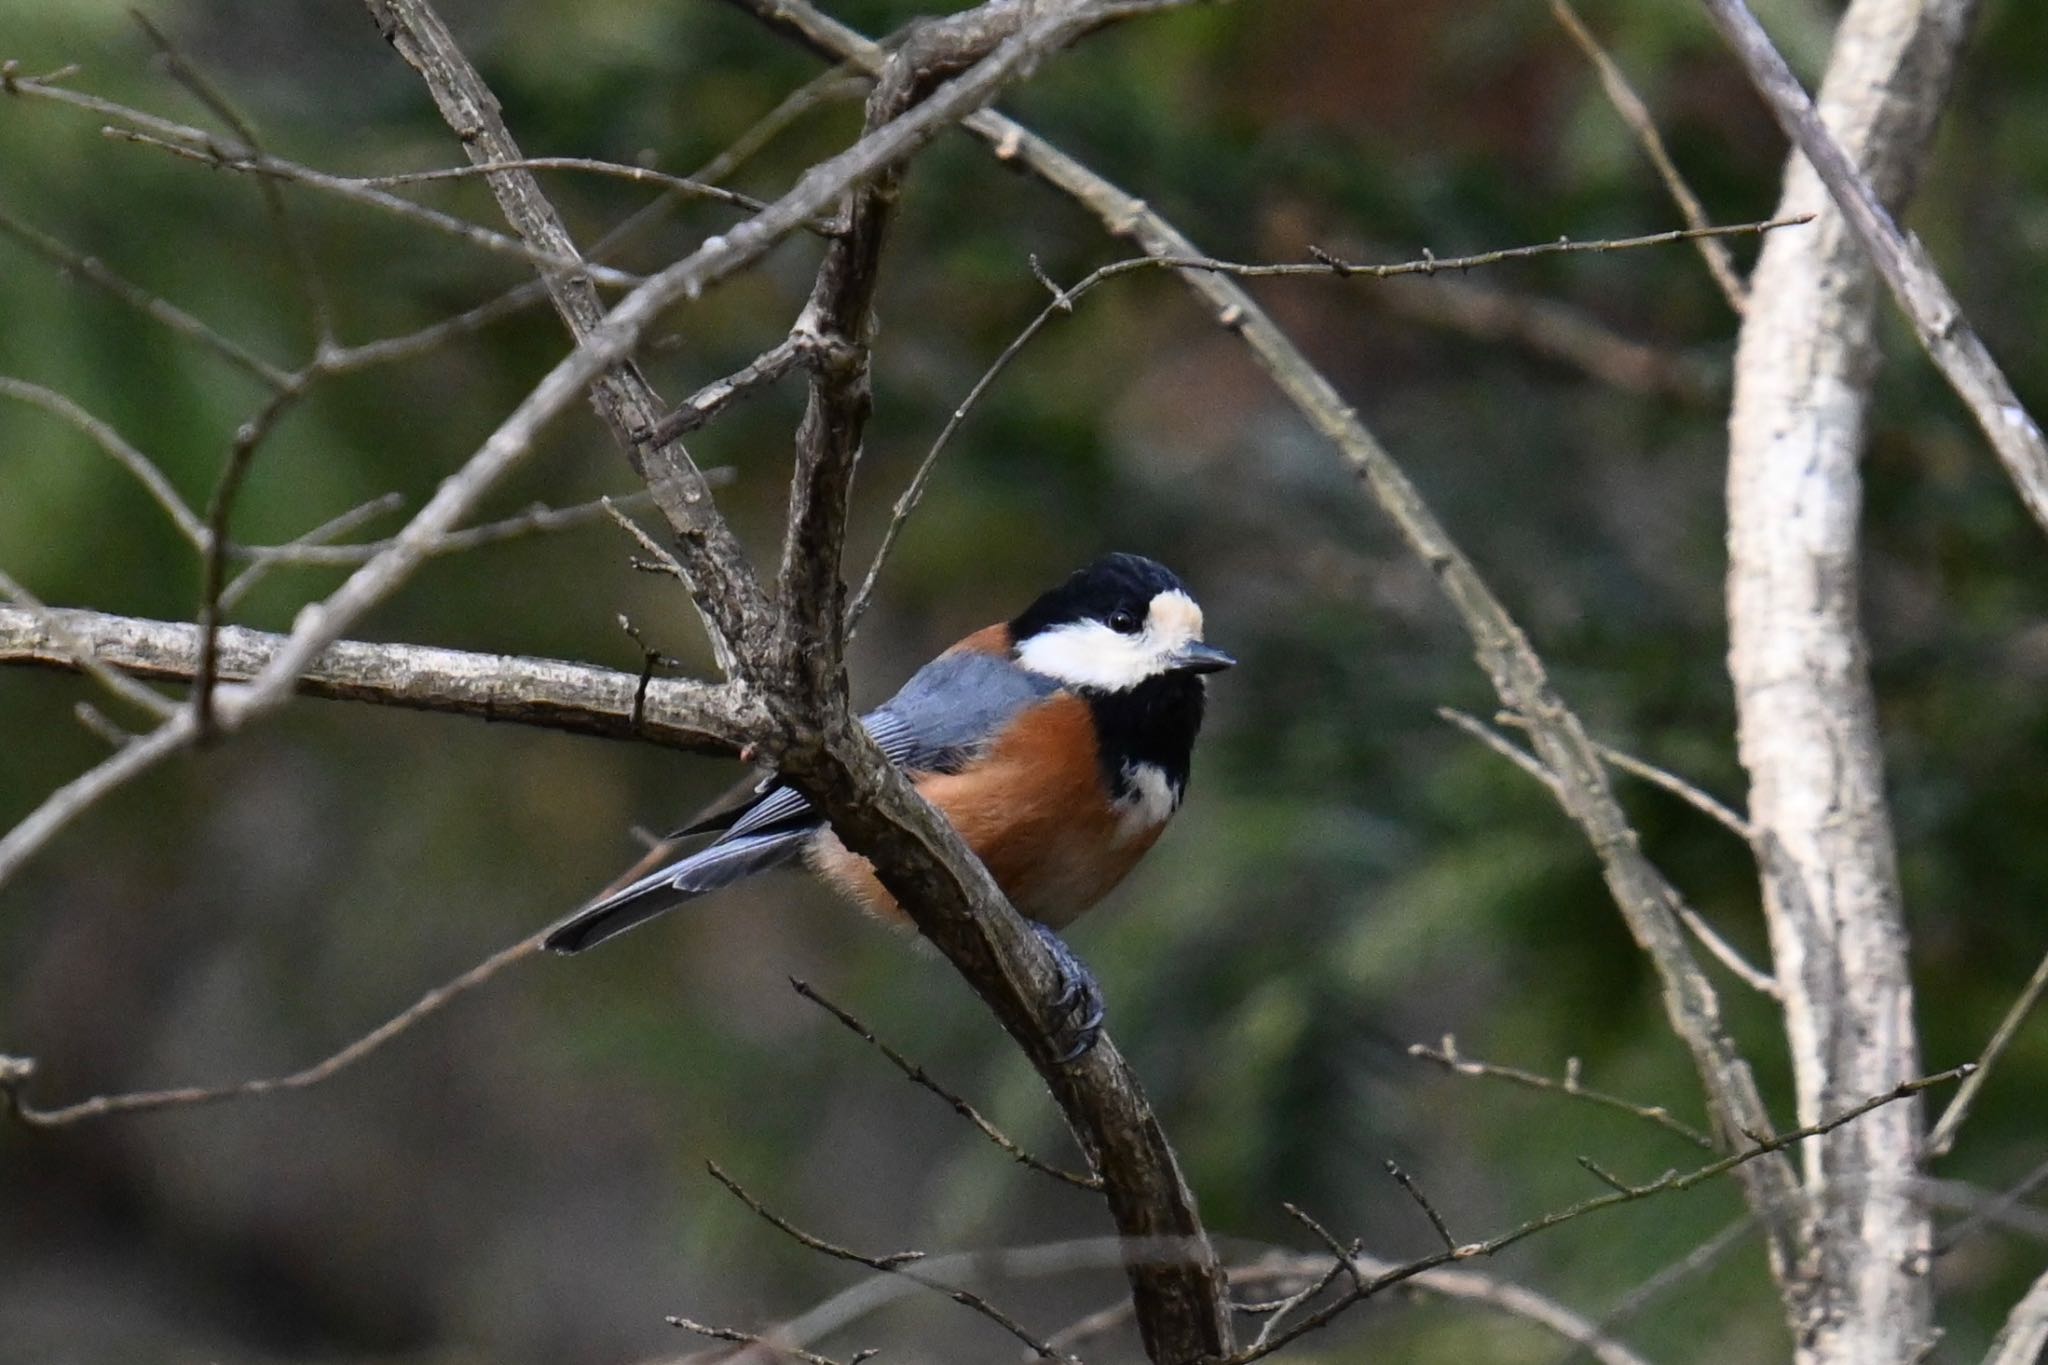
{"x":1350,"y":876}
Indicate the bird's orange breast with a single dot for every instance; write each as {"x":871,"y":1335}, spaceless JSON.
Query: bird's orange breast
{"x":1035,"y":811}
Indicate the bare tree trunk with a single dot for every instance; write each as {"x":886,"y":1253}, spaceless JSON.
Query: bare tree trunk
{"x":1808,"y":724}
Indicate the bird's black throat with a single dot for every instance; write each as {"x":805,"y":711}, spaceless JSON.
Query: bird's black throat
{"x":1154,"y":722}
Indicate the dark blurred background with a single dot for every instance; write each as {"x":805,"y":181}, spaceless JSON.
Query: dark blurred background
{"x":521,"y":1178}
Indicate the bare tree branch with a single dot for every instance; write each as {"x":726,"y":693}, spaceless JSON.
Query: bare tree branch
{"x":77,"y":796}
{"x":917,"y":1075}
{"x":1466,"y":1286}
{"x":1943,"y":1138}
{"x":78,"y":654}
{"x":291,"y":240}
{"x":118,"y":449}
{"x":2024,"y":1338}
{"x":220,"y":509}
{"x":733,"y":1334}
{"x":1636,"y":115}
{"x":1450,"y":1059}
{"x":1916,"y":284}
{"x":895,"y":1264}
{"x":698,"y":409}
{"x":694,"y":716}
{"x":1670,"y":1182}
{"x":195,"y":145}
{"x":16,"y":1072}
{"x":1806,"y":710}
{"x":93,"y":272}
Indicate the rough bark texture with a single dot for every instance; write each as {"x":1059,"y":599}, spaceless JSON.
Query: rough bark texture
{"x":544,"y":692}
{"x":1808,"y":724}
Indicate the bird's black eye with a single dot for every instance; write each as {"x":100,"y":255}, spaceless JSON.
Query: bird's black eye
{"x":1123,"y":622}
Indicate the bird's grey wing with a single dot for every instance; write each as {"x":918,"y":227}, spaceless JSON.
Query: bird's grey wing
{"x":940,"y":719}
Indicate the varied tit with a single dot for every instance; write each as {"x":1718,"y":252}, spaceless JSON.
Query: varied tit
{"x":1058,"y":744}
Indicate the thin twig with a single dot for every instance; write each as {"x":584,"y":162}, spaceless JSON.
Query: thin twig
{"x":118,"y":449}
{"x":1340,"y":1263}
{"x":698,"y":409}
{"x":420,"y":341}
{"x":220,"y":510}
{"x":1448,"y":1057}
{"x":896,"y":1264}
{"x":1724,"y":952}
{"x":1636,"y":115}
{"x":208,"y":152}
{"x":331,"y":359}
{"x":539,"y":519}
{"x":919,"y":1076}
{"x":2023,"y":1339}
{"x":1666,"y":1184}
{"x":733,"y":1334}
{"x":1992,"y":1211}
{"x":95,"y":720}
{"x":1686,"y":1266}
{"x":681,"y":185}
{"x":1325,"y":265}
{"x":1281,"y":1269}
{"x":1691,"y":794}
{"x":1709,"y":938}
{"x":1414,"y":1190}
{"x":298,"y":256}
{"x":1688,"y":792}
{"x":265,"y":558}
{"x":1943,"y":1138}
{"x":75,"y":797}
{"x":15,"y":1072}
{"x":94,"y":272}
{"x":1499,"y":743}
{"x":824,"y":88}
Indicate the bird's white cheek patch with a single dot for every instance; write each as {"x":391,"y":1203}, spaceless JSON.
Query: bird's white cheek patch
{"x":1087,"y":654}
{"x":1147,"y":804}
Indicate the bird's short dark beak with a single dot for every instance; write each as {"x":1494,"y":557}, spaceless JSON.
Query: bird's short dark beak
{"x":1196,"y":657}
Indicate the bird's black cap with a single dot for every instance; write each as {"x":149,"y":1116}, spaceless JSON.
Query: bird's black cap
{"x":1115,"y":582}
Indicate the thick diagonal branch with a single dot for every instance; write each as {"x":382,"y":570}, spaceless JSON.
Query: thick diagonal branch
{"x":837,"y":330}
{"x":1180,"y":1300}
{"x":622,"y":395}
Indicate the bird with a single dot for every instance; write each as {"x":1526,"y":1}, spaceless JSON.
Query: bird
{"x":1058,"y":743}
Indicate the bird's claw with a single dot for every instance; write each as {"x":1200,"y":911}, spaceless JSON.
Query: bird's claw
{"x":1078,"y":1004}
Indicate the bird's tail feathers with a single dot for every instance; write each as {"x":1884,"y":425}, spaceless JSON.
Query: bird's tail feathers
{"x":666,"y":887}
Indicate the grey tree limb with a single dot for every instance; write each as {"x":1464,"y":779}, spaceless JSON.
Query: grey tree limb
{"x":1909,"y":272}
{"x":678,"y":713}
{"x":621,"y":394}
{"x":2023,"y":1340}
{"x":1806,"y":712}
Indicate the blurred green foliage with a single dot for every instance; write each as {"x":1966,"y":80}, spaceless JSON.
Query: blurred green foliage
{"x":520,"y":1179}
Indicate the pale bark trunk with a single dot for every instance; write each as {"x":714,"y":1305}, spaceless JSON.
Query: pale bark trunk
{"x":1808,"y":724}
